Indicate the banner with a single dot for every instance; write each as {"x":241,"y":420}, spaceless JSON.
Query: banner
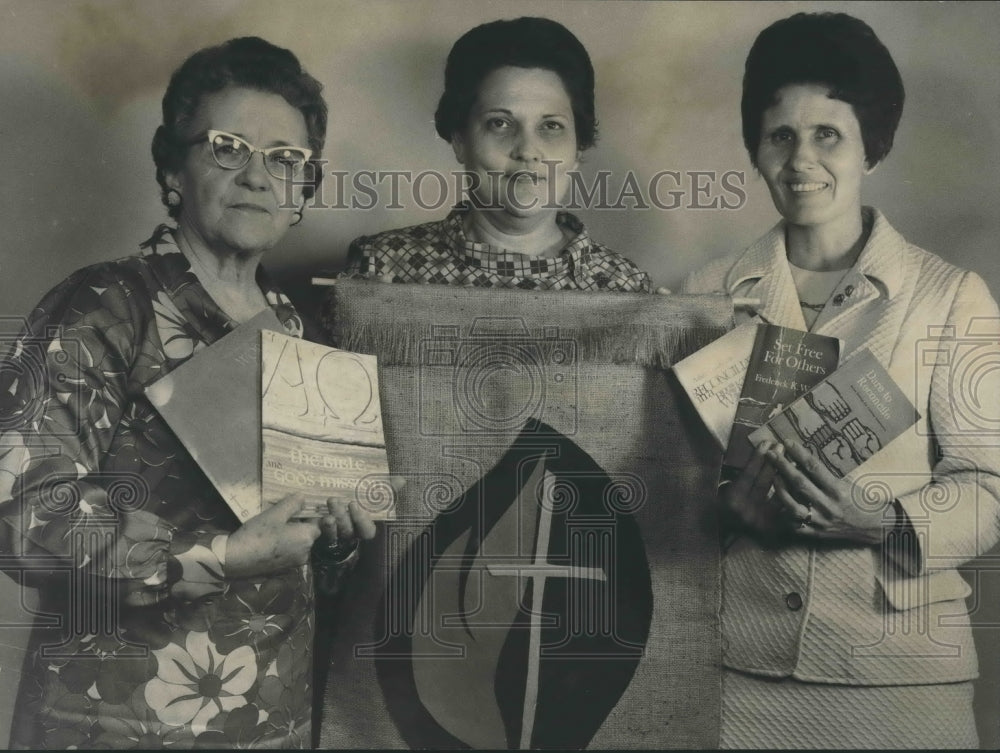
{"x":552,"y":577}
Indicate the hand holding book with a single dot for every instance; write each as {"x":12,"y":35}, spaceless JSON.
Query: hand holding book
{"x":834,"y":420}
{"x":271,"y":541}
{"x":746,"y":500}
{"x":279,"y":537}
{"x":827,"y":433}
{"x":785,"y":491}
{"x":814,"y":502}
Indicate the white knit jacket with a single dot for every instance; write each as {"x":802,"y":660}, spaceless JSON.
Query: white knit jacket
{"x":857,"y":616}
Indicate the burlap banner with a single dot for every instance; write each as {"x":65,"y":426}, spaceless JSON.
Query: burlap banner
{"x":552,"y":578}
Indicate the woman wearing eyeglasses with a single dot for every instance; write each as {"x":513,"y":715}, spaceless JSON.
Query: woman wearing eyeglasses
{"x":170,"y":623}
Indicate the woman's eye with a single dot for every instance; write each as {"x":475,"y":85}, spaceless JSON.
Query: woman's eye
{"x":288,"y":159}
{"x":497,"y":124}
{"x":780,"y":137}
{"x":553,"y":129}
{"x":827,"y":134}
{"x":223,"y":145}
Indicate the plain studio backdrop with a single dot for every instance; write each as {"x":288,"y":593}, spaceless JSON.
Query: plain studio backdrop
{"x":81,"y":84}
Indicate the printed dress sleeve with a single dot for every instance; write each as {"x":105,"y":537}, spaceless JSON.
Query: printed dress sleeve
{"x":359,"y":261}
{"x":612,"y":271}
{"x":67,"y":385}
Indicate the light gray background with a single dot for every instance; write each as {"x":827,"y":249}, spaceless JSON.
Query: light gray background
{"x":81,"y":82}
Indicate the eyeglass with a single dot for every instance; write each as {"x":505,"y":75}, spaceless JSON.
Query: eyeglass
{"x":231,"y":153}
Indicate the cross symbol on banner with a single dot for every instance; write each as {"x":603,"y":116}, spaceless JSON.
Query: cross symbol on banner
{"x":538,"y":571}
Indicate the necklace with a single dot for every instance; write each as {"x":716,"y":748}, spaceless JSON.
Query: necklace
{"x":816,"y":285}
{"x":812,"y":306}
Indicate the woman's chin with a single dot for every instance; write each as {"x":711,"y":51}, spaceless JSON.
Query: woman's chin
{"x":253,"y":237}
{"x":521,"y":207}
{"x":527,"y":209}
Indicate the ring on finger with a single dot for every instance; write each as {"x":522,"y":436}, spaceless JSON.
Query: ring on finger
{"x":806,"y":521}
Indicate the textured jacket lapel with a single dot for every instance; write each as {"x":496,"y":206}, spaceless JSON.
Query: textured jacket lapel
{"x":881,"y":285}
{"x":762,"y":273}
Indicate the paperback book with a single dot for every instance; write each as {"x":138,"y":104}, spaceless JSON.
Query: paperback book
{"x":784,"y":364}
{"x":212,"y":403}
{"x":847,"y":418}
{"x":321,"y":427}
{"x":713,"y":377}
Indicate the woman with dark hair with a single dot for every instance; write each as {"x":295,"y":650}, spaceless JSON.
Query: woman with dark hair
{"x":166,"y":621}
{"x":518,"y":110}
{"x":843,"y":616}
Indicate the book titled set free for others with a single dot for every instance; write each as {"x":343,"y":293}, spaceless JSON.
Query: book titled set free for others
{"x":784,"y":364}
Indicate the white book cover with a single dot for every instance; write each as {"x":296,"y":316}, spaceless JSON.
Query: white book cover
{"x":321,"y":426}
{"x":212,"y":403}
{"x":713,"y":378}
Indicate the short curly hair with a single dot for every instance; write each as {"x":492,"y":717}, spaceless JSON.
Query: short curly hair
{"x":526,"y":42}
{"x":833,"y":50}
{"x":249,"y":62}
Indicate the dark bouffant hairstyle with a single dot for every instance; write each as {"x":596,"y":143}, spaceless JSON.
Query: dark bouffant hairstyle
{"x":523,"y":43}
{"x":249,"y":62}
{"x":833,"y":50}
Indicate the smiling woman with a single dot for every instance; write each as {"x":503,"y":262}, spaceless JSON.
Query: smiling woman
{"x":812,"y":157}
{"x":843,"y":613}
{"x":518,"y":110}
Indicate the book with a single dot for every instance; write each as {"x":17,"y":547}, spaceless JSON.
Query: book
{"x":212,"y":403}
{"x":713,"y":378}
{"x":847,"y":418}
{"x":321,"y":427}
{"x":784,"y":364}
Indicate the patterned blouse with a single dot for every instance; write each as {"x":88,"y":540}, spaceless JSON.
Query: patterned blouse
{"x":440,"y":253}
{"x":143,"y":640}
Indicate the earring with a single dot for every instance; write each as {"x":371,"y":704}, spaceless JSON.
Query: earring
{"x":173,"y":198}
{"x":298,"y":218}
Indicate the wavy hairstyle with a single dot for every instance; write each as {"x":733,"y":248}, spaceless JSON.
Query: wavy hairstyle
{"x":249,"y":62}
{"x":834,"y":50}
{"x":526,"y":42}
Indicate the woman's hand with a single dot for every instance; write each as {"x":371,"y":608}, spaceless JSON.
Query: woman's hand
{"x":346,"y":522}
{"x":746,"y":498}
{"x":271,"y":541}
{"x":349,"y":523}
{"x":815,"y":502}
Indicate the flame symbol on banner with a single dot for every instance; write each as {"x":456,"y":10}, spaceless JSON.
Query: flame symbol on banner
{"x":541,"y":591}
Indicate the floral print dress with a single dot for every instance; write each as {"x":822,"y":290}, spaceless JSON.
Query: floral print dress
{"x":141,"y":640}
